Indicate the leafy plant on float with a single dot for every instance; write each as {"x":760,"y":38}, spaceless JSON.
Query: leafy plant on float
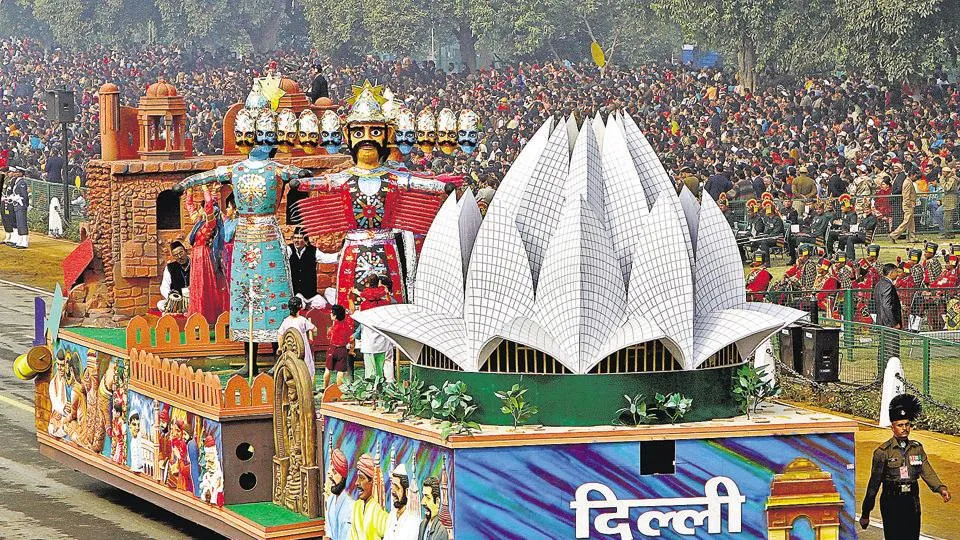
{"x":359,"y":390}
{"x":636,"y":412}
{"x":516,"y":405}
{"x":673,"y":406}
{"x":453,"y":407}
{"x":751,"y":388}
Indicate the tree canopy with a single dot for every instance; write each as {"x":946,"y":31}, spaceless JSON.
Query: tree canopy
{"x":890,"y":40}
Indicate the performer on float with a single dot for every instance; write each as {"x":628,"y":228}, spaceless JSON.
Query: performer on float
{"x":303,"y":269}
{"x":379,"y":208}
{"x":175,"y":283}
{"x":260,"y":272}
{"x":208,"y":288}
{"x":229,"y":232}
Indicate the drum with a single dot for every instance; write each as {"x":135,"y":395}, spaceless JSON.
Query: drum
{"x":176,"y":303}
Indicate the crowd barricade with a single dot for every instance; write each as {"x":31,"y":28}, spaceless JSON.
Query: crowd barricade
{"x":38,"y":216}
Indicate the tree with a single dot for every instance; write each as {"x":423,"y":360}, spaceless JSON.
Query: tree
{"x":895,"y":40}
{"x":748,"y":29}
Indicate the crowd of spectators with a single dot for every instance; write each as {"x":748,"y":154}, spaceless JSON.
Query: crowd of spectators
{"x":819,"y":138}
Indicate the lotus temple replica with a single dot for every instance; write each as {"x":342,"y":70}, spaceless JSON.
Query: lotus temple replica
{"x":567,"y":359}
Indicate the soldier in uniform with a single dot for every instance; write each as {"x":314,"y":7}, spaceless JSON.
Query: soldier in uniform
{"x":941,"y":291}
{"x":907,"y":284}
{"x":826,"y":286}
{"x":799,"y":277}
{"x":897,"y":465}
{"x":841,"y":225}
{"x":759,"y":279}
{"x":871,"y":264}
{"x":772,"y":229}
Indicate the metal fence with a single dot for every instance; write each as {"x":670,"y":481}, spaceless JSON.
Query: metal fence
{"x":925,"y":309}
{"x":38,"y":216}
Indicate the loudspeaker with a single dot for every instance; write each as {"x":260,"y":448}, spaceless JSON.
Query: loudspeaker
{"x":821,"y":354}
{"x":791,"y":347}
{"x":61,"y":106}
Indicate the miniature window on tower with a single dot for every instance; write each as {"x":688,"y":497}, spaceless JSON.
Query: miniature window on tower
{"x":168,"y":210}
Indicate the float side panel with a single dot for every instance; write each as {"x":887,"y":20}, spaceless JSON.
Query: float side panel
{"x":527,"y":492}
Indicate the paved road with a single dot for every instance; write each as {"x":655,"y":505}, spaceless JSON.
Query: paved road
{"x":40,"y":499}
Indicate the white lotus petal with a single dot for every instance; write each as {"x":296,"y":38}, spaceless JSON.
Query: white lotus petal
{"x":598,"y":130}
{"x":716,"y":330}
{"x":581,"y":299}
{"x":543,"y":200}
{"x":691,"y":211}
{"x":411,"y":327}
{"x":585,"y":170}
{"x":573,"y":131}
{"x":719,"y":277}
{"x":470,"y":219}
{"x":514,"y":183}
{"x":661,"y":284}
{"x":499,"y":285}
{"x":624,"y":197}
{"x":654,"y":177}
{"x":440,"y":274}
{"x":524,"y":332}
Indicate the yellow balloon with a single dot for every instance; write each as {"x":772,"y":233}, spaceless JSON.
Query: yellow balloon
{"x":76,"y":181}
{"x":598,"y":57}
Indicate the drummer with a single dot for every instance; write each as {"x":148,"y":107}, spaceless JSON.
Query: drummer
{"x":176,"y":277}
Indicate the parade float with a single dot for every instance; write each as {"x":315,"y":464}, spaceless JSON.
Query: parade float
{"x":138,"y":386}
{"x":573,"y":355}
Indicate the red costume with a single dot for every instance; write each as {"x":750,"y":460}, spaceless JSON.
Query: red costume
{"x":208,"y":288}
{"x":757,"y":283}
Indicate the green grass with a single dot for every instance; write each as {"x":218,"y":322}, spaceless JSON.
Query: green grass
{"x":267,"y":514}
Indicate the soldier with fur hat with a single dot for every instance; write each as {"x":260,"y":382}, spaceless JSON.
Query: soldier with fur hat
{"x":897,"y":465}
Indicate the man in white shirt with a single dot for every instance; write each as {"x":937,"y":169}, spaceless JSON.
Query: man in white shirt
{"x":136,"y":451}
{"x":176,"y":275}
{"x":402,"y":523}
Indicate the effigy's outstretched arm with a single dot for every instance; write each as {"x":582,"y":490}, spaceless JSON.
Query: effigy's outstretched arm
{"x":220,"y":174}
{"x":324,"y":182}
{"x":289,"y":173}
{"x":418,"y":183}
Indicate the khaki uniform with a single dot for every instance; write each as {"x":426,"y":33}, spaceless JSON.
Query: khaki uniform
{"x":909,"y":202}
{"x":898,"y":468}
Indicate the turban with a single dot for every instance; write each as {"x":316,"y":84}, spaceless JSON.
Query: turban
{"x":339,"y":463}
{"x":366,"y":465}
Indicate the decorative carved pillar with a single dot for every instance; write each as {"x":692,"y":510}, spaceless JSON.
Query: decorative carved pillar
{"x":296,"y":473}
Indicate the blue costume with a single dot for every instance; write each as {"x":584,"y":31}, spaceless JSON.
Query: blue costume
{"x":260,"y":271}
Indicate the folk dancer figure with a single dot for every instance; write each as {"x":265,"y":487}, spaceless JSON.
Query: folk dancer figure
{"x":208,"y":287}
{"x":379,"y":208}
{"x":758,"y":280}
{"x":260,"y":271}
{"x":897,"y":466}
{"x":229,"y":232}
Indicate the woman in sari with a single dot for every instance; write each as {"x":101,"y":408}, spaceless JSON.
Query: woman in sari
{"x":207,"y":281}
